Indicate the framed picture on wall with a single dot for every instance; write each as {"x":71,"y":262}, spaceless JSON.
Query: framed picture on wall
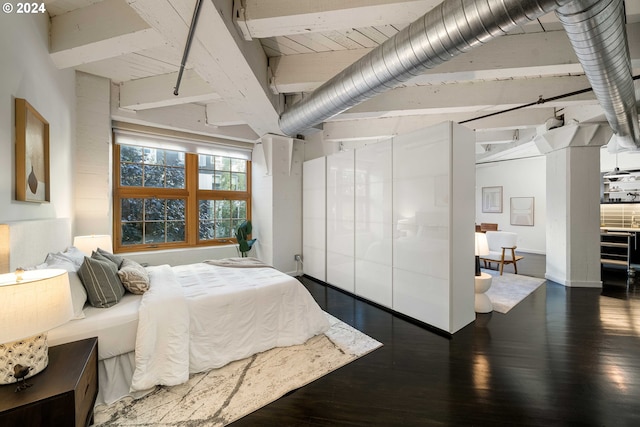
{"x":32,"y":154}
{"x":492,"y":199}
{"x":522,"y":210}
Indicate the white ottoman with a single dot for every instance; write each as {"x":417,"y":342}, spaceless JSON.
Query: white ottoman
{"x":482,"y":301}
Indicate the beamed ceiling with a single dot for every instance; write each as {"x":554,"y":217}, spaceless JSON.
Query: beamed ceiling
{"x":251,"y":58}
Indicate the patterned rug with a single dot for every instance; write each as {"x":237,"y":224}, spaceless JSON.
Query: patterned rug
{"x":508,"y":290}
{"x":221,"y":396}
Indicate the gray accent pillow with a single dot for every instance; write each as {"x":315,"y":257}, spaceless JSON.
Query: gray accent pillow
{"x":134,"y":277}
{"x":100,"y":279}
{"x":116,"y":259}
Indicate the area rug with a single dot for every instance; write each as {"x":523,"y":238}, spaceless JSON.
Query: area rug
{"x":508,"y":290}
{"x":221,"y":396}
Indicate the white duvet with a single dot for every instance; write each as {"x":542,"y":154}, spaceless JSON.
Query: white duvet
{"x":198,"y":317}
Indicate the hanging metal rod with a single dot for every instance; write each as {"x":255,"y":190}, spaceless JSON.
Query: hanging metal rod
{"x":185,"y":54}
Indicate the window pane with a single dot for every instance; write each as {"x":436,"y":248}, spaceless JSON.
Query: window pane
{"x":153,"y":156}
{"x":205,"y":162}
{"x":223,"y":209}
{"x":205,"y":179}
{"x":130,"y":154}
{"x":222,"y":163}
{"x":206,"y":210}
{"x":238,"y":165}
{"x":131,"y":209}
{"x":175,"y":177}
{"x":154,"y":232}
{"x":131,"y":233}
{"x":223,"y":229}
{"x":175,"y":210}
{"x":174,"y":158}
{"x":175,"y":231}
{"x":154,"y":209}
{"x":154,"y":176}
{"x":222,"y":181}
{"x":130,"y":175}
{"x":238,"y":182}
{"x":206,"y":230}
{"x":239,"y":209}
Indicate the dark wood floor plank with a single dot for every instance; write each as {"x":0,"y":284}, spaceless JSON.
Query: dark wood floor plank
{"x":563,"y":356}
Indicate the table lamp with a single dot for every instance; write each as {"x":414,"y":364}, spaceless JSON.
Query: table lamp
{"x":482,"y":248}
{"x":88,"y":244}
{"x":33,"y":302}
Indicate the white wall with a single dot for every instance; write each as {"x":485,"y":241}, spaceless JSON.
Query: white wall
{"x":518,"y":178}
{"x":93,"y":206}
{"x":27,"y":72}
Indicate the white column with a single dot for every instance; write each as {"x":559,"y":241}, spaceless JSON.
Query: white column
{"x":573,"y":203}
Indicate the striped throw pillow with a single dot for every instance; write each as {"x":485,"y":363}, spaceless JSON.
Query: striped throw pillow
{"x":100,"y":279}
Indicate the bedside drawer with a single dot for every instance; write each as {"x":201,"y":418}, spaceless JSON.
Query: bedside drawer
{"x":87,"y":390}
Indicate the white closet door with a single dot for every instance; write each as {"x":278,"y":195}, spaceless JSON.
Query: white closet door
{"x":314,"y":217}
{"x":421,"y":247}
{"x":374,"y":223}
{"x":340,"y":220}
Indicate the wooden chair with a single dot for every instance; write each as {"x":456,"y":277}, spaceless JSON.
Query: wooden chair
{"x":502,"y":250}
{"x":488,"y":226}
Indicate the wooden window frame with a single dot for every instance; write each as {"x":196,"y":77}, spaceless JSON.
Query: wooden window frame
{"x":191,"y":194}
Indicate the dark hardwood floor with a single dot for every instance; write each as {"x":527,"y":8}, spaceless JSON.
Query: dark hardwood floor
{"x":562,"y":357}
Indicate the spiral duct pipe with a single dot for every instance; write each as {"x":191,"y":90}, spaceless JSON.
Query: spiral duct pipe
{"x":449,"y":29}
{"x":597,"y":33}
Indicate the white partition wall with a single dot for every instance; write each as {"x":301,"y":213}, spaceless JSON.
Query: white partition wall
{"x":433,"y":209}
{"x":314,"y":217}
{"x":340,"y":220}
{"x":400,"y":224}
{"x":374,"y":223}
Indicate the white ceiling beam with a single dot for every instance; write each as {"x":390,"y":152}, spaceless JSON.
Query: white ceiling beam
{"x":270,"y":18}
{"x":521,"y":55}
{"x":219,"y":114}
{"x":187,"y":118}
{"x":234,"y":68}
{"x":477,"y":97}
{"x":366,"y":129}
{"x":99,"y":31}
{"x":157,"y":91}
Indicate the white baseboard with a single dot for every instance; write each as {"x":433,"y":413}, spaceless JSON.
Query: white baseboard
{"x":574,"y":283}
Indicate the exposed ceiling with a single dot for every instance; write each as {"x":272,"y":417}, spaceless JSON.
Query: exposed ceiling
{"x":251,"y":58}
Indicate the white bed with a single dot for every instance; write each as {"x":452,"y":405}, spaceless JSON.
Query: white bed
{"x":193,"y":318}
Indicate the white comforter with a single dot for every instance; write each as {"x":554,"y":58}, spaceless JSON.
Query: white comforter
{"x":198,"y":317}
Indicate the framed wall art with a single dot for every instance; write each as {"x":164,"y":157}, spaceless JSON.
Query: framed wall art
{"x":32,"y":154}
{"x":522,"y":210}
{"x":492,"y":199}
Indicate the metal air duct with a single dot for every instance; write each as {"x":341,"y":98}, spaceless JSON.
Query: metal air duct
{"x":597,"y":33}
{"x":454,"y":27}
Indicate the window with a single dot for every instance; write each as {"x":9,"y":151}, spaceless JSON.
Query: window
{"x":166,"y":198}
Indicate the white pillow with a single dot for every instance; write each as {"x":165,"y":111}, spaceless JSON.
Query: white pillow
{"x":78,"y":292}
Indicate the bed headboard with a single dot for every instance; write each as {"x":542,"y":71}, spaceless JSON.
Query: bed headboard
{"x":31,"y":241}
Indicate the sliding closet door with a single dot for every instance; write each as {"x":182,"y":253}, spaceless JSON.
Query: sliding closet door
{"x":421,"y":248}
{"x":374,"y":223}
{"x":314,"y":217}
{"x":433,"y":210}
{"x":340,"y":220}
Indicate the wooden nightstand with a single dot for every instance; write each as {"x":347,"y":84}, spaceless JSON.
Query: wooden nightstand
{"x":62,"y":395}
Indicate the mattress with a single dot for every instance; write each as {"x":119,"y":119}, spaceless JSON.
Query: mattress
{"x":115,"y":327}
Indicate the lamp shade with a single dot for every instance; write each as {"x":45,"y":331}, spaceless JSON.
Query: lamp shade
{"x":482,"y":246}
{"x":39,"y":302}
{"x":88,"y":244}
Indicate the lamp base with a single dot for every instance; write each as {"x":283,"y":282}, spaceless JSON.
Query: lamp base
{"x":31,"y":353}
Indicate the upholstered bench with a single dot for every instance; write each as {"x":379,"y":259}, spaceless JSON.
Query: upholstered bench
{"x":502,"y":249}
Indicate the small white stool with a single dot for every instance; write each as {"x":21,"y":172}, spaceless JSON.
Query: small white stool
{"x":482,"y":302}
